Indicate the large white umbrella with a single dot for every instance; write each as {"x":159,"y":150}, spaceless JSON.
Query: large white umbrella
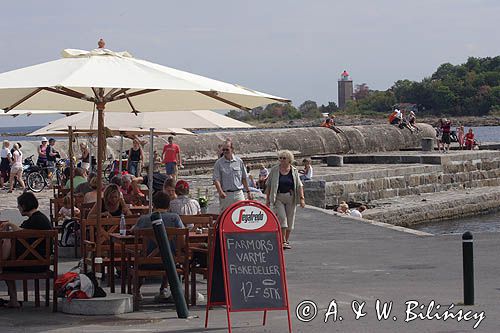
{"x":101,"y":79}
{"x":116,"y":124}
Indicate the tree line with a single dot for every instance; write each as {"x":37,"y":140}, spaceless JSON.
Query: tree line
{"x":468,"y":89}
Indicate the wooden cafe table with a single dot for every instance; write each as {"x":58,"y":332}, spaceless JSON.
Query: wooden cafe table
{"x":123,"y":240}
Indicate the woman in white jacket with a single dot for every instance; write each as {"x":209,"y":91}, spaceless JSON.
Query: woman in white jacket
{"x":284,"y":191}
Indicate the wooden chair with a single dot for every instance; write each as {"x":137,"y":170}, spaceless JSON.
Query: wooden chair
{"x":55,"y":206}
{"x":90,"y":240}
{"x":199,"y":268}
{"x":214,"y":217}
{"x":197,"y":220}
{"x":33,"y":241}
{"x":147,"y":264}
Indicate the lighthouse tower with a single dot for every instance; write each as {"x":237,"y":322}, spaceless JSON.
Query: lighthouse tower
{"x":345,"y":89}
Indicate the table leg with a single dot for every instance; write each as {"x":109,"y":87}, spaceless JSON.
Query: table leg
{"x":123,"y":267}
{"x":112,"y":265}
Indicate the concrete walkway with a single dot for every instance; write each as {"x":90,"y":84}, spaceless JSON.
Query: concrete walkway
{"x":332,"y":258}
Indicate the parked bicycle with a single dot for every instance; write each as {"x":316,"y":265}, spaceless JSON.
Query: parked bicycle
{"x":37,"y":177}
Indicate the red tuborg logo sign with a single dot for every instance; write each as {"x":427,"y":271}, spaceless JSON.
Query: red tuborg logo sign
{"x":249,"y":217}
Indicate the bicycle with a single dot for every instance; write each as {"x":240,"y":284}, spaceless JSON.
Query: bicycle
{"x":37,"y":177}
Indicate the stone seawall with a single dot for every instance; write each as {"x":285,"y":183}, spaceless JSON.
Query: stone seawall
{"x":452,"y":171}
{"x":255,"y":146}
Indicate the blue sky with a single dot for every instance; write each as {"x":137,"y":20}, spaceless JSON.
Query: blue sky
{"x":295,"y":49}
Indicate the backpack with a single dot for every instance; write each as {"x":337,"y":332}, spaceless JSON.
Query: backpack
{"x":68,"y":235}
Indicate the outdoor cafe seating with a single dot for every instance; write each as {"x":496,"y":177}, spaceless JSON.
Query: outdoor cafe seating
{"x":32,"y":259}
{"x":147,"y":261}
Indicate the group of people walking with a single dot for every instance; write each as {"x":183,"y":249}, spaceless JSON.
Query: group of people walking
{"x":11,"y":165}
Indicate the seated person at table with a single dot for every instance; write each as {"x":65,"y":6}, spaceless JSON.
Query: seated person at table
{"x":78,"y":178}
{"x":161,"y":204}
{"x":131,"y":191}
{"x":65,"y":211}
{"x":183,"y":204}
{"x":28,"y":206}
{"x":91,"y":196}
{"x":158,"y":180}
{"x":85,"y":188}
{"x":169,"y":188}
{"x":112,"y":203}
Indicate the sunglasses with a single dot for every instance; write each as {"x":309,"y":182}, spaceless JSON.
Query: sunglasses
{"x":282,"y":158}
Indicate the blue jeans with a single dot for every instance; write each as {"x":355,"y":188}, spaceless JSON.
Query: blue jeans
{"x":133,"y":168}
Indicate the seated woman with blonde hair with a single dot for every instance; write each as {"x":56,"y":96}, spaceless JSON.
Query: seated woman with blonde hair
{"x":112,"y":203}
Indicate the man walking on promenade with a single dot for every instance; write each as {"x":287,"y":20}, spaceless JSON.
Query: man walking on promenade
{"x":171,"y":157}
{"x":230,"y":177}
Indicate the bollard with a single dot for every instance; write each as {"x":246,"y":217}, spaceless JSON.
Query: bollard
{"x":468,"y":266}
{"x":168,"y":262}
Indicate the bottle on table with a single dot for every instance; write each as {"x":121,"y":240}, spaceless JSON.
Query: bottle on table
{"x":123,"y":227}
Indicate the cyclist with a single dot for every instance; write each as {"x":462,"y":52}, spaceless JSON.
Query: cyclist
{"x":52,"y":156}
{"x":42,"y":153}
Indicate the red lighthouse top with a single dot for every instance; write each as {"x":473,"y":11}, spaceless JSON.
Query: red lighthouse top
{"x":344,"y":75}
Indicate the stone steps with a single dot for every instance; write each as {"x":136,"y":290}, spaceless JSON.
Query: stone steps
{"x":364,"y":185}
{"x":409,"y":210}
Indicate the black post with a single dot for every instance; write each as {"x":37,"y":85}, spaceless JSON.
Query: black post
{"x":168,"y":262}
{"x":468,"y":264}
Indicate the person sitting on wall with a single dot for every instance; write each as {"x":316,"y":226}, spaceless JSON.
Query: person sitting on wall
{"x":358,"y":211}
{"x":395,"y":117}
{"x":307,"y":173}
{"x":343,"y":208}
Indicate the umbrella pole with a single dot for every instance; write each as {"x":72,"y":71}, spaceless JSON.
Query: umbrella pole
{"x":101,"y":144}
{"x":71,"y":171}
{"x":150,"y":169}
{"x":120,"y":153}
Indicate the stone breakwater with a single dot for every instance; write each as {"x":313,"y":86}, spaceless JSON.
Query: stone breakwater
{"x":199,"y":152}
{"x":405,"y":188}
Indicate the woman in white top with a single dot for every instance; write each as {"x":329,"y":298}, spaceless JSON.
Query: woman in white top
{"x":16,"y":169}
{"x":307,"y":173}
{"x":6,"y":159}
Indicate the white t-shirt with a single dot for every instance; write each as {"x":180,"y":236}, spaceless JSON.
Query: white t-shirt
{"x":356,"y":213}
{"x":309,"y":173}
{"x":5,"y":152}
{"x":18,"y":159}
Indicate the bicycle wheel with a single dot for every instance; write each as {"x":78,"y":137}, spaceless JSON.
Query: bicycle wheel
{"x":36,"y":182}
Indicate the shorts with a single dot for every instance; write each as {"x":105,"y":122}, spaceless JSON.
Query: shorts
{"x":446,"y":138}
{"x":16,"y":171}
{"x":171,"y":168}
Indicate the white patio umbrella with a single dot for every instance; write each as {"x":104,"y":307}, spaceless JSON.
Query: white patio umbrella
{"x":35,"y":112}
{"x":101,"y":79}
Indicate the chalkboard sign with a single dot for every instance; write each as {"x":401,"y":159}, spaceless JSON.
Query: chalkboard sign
{"x":254,"y":271}
{"x":247,"y":270}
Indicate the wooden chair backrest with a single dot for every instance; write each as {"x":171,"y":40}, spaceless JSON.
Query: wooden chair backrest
{"x":197,"y":220}
{"x":108,"y":225}
{"x":179,"y":237}
{"x":33,"y":241}
{"x":85,"y":209}
{"x":214,"y":217}
{"x":55,"y":206}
